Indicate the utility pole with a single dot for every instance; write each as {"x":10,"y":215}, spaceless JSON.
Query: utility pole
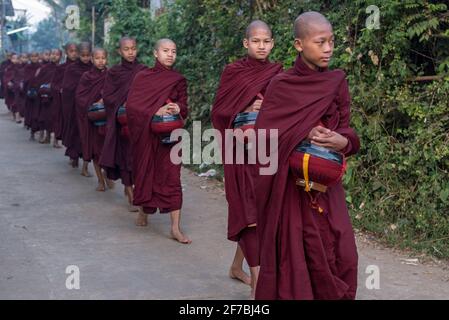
{"x":93,"y":27}
{"x":3,"y":26}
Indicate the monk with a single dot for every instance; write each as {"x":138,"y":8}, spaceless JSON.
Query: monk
{"x":71,"y":51}
{"x":45,"y":76}
{"x":89,"y":91}
{"x":6,"y":63}
{"x":8,"y":80}
{"x":30,"y":73}
{"x":116,"y":156}
{"x":242,"y":87}
{"x":19,"y":94}
{"x":307,"y":248}
{"x":160,"y":90}
{"x":71,"y":137}
{"x":46,"y":57}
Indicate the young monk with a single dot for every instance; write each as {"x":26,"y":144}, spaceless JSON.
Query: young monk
{"x":307,"y":251}
{"x":71,"y":51}
{"x":30,"y":73}
{"x":116,"y":154}
{"x":45,"y":76}
{"x":46,"y":57}
{"x":242,"y":87}
{"x":71,"y":137}
{"x":8,"y":80}
{"x":157,"y":179}
{"x":5,"y":64}
{"x":90,"y":91}
{"x":19,"y":94}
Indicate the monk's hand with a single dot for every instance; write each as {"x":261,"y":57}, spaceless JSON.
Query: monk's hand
{"x":334,"y":141}
{"x":173,"y":108}
{"x":99,"y":101}
{"x":319,"y":131}
{"x":163,"y":111}
{"x":255,"y":107}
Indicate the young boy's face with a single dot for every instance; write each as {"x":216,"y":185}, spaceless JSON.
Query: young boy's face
{"x":317,"y":46}
{"x":34,"y":58}
{"x":24,"y":59}
{"x":46,"y":56}
{"x":99,"y":59}
{"x":85,"y":56}
{"x":166,"y":54}
{"x":128,"y":50}
{"x":259,"y":44}
{"x":55,"y":56}
{"x":72,"y":52}
{"x":15,"y":59}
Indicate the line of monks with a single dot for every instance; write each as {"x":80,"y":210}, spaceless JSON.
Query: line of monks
{"x":298,"y":243}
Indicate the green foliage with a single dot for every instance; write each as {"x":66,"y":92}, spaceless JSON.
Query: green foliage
{"x":398,"y":185}
{"x":44,"y":38}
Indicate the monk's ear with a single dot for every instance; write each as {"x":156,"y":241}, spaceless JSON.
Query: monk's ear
{"x":298,"y":45}
{"x":246,"y":43}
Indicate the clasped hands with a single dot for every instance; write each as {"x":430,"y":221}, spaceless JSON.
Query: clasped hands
{"x":323,"y":137}
{"x":169,"y":109}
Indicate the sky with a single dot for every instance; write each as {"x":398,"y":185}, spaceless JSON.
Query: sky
{"x":36,"y":10}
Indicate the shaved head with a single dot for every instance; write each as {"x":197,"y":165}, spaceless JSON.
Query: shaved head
{"x":160,"y":42}
{"x":126,"y":38}
{"x":70,"y":44}
{"x":84,"y":46}
{"x":98,"y":50}
{"x":257,"y":24}
{"x":306,"y":21}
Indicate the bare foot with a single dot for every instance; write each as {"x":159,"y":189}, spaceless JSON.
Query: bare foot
{"x":180,"y":237}
{"x":57,"y":146}
{"x":132,"y":208}
{"x":86,"y":174}
{"x":142,"y":219}
{"x":74,"y":163}
{"x":240,"y":275}
{"x":47,"y":141}
{"x":101,"y":187}
{"x":110,"y":183}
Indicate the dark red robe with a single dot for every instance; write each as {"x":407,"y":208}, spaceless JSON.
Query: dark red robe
{"x":30,"y":73}
{"x":8,"y":78}
{"x":5,"y":64}
{"x":71,"y":137}
{"x":19,"y":95}
{"x":240,"y":83}
{"x":56,"y":104}
{"x":89,"y":91}
{"x":304,"y":254}
{"x":116,"y":157}
{"x":157,"y":179}
{"x":41,"y":115}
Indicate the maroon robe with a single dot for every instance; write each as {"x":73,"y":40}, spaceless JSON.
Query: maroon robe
{"x":5,"y":64}
{"x":41,"y":115}
{"x":19,"y":94}
{"x":116,"y":157}
{"x":89,"y":91}
{"x":56,"y":104}
{"x":30,"y":73}
{"x":8,"y":77}
{"x":304,"y":254}
{"x":71,"y":137}
{"x":240,"y":83}
{"x":157,"y":179}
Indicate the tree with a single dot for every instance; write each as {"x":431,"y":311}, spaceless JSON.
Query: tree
{"x":44,"y":37}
